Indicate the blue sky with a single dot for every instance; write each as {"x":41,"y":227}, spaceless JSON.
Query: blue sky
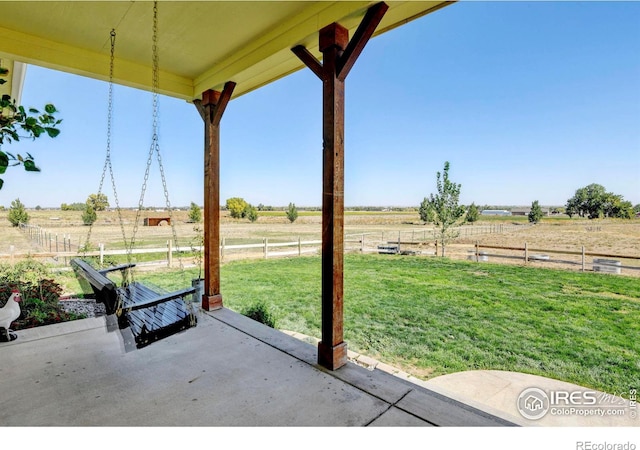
{"x":526,"y":100}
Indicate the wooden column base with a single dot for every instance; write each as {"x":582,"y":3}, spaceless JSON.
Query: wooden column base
{"x":332,"y":357}
{"x":211,"y":302}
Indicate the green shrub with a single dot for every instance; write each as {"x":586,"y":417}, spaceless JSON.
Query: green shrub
{"x":40,"y":294}
{"x":17,"y":213}
{"x":89,"y":215}
{"x":260,"y":313}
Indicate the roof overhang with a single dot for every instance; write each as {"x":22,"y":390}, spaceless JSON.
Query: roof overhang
{"x":14,"y":79}
{"x":202,"y":44}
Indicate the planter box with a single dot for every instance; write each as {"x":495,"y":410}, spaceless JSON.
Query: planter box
{"x":606,"y":265}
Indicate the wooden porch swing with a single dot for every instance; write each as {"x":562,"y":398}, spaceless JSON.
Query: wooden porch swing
{"x":142,"y":314}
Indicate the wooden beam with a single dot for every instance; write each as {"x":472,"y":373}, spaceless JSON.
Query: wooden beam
{"x":222,"y":102}
{"x":334,"y":40}
{"x":211,"y":109}
{"x":310,"y":61}
{"x":365,"y":30}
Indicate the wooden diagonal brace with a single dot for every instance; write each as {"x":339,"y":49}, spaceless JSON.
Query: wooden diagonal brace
{"x":365,"y":30}
{"x":311,"y":62}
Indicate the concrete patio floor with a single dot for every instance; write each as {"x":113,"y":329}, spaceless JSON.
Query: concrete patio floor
{"x":228,"y":371}
{"x":231,"y":371}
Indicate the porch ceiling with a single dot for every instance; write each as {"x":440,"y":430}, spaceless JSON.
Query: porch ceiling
{"x":202,"y":44}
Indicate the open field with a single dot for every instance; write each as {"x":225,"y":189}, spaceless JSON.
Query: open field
{"x":619,"y":237}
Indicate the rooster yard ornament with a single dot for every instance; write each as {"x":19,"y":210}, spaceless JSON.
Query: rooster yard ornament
{"x":8,"y":313}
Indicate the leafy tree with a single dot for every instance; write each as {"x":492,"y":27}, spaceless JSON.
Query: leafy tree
{"x":236,"y":207}
{"x":473,"y":213}
{"x":292,"y":212}
{"x":615,"y":206}
{"x":593,"y":201}
{"x":443,"y":208}
{"x":89,"y":215}
{"x":636,"y":208}
{"x":535,"y":215}
{"x":15,"y":118}
{"x":99,"y":202}
{"x":250,"y":213}
{"x":195,"y":214}
{"x":425,"y":211}
{"x":73,"y":207}
{"x":17,"y":213}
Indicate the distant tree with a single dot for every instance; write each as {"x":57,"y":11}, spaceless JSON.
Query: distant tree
{"x":17,"y":213}
{"x":535,"y":215}
{"x":636,"y":208}
{"x":195,"y":214}
{"x":250,"y":213}
{"x":89,"y":215}
{"x":593,"y":201}
{"x":73,"y":207}
{"x":615,"y":206}
{"x":292,"y":212}
{"x":443,"y":208}
{"x":15,"y":119}
{"x":473,"y":213}
{"x":236,"y":207}
{"x":425,"y":211}
{"x":99,"y":202}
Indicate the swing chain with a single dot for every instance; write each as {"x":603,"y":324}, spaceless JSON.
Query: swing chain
{"x":155,"y":146}
{"x":107,"y":162}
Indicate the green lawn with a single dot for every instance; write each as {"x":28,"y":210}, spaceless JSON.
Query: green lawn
{"x":433,"y":316}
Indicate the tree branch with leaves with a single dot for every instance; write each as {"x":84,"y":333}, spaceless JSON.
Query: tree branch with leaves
{"x":16,"y":122}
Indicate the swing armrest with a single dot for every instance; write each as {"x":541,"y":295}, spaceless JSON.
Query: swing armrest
{"x":114,"y":268}
{"x":142,"y":301}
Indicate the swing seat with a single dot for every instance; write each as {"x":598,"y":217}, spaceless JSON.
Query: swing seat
{"x":143,"y":314}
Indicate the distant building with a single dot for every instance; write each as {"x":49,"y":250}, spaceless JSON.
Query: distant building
{"x":495,"y":212}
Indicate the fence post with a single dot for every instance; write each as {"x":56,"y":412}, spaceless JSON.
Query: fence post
{"x":169,"y":252}
{"x":399,"y":239}
{"x":266,"y":247}
{"x":526,"y":253}
{"x":583,"y":259}
{"x":56,"y":242}
{"x":299,"y":246}
{"x":101,"y":247}
{"x":477,"y":252}
{"x":222,"y":249}
{"x":362,"y":244}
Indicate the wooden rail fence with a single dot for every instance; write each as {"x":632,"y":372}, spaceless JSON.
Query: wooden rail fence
{"x":610,"y":265}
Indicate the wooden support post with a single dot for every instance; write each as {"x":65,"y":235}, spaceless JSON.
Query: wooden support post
{"x":526,"y":253}
{"x":338,"y":57}
{"x":583,"y":259}
{"x":211,"y":109}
